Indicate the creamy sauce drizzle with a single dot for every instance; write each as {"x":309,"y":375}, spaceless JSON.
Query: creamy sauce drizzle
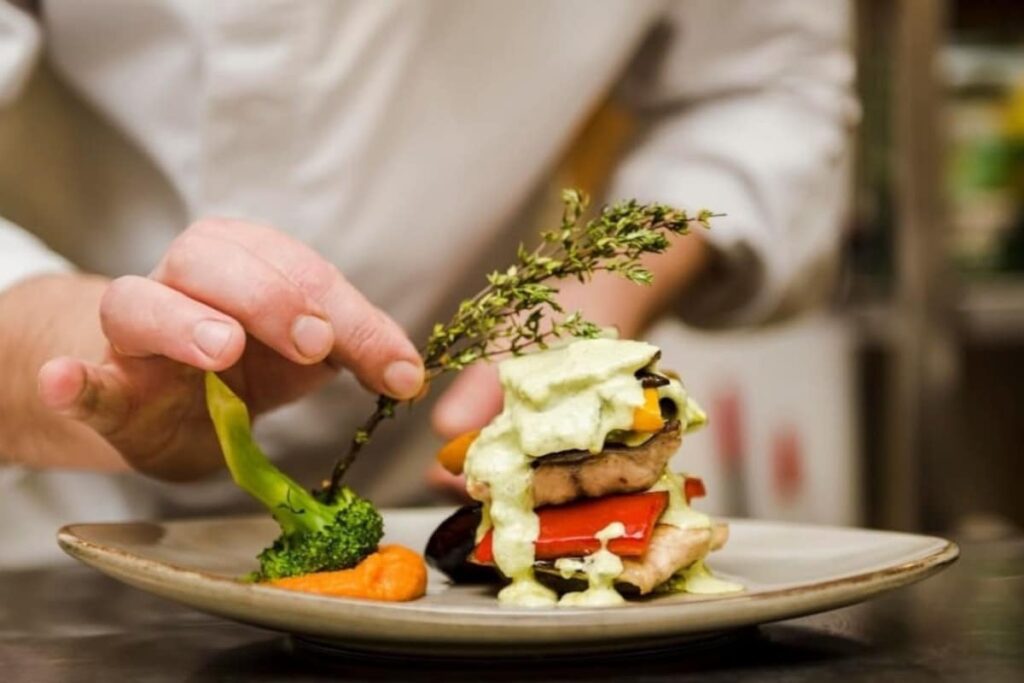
{"x":560,"y":399}
{"x":601,"y":570}
{"x":690,"y":414}
{"x":699,"y":580}
{"x":678,"y":513}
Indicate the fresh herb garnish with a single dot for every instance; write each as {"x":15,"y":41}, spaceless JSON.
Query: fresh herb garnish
{"x":517,"y":309}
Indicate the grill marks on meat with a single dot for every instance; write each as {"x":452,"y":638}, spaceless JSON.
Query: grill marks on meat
{"x":671,"y":549}
{"x":563,"y":477}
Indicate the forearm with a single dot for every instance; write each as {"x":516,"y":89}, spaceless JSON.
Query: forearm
{"x":612,"y":300}
{"x":41,"y":318}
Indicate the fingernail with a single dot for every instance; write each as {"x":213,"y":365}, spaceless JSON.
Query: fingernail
{"x":312,"y":336}
{"x":212,"y":336}
{"x":403,"y":379}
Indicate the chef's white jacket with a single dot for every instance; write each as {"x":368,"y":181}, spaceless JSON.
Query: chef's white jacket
{"x":402,"y":140}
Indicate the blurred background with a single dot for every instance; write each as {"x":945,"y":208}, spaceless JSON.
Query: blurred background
{"x":899,"y":401}
{"x":902,"y":404}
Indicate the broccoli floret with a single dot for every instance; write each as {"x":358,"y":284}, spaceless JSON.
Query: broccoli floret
{"x":316,"y":535}
{"x":342,"y":541}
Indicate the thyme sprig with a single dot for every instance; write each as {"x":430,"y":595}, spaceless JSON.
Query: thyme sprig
{"x":517,"y":310}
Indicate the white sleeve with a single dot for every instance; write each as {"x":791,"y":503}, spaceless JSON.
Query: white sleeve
{"x":19,"y":50}
{"x":746,"y":108}
{"x":21,"y":254}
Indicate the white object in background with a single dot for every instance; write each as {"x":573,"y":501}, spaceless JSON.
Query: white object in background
{"x":781,"y":442}
{"x":45,"y":500}
{"x":19,"y":50}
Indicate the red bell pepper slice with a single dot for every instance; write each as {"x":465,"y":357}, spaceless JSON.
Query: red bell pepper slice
{"x":693,"y":488}
{"x":568,"y":530}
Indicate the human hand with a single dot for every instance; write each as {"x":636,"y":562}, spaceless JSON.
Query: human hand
{"x":264,"y":310}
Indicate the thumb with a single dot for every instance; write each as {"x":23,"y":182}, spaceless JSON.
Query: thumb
{"x":473,"y":399}
{"x":83,"y":391}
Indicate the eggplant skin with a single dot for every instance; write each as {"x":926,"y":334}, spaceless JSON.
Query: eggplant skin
{"x":451,"y":544}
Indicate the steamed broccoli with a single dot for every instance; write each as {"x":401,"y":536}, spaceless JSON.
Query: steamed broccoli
{"x":316,"y":535}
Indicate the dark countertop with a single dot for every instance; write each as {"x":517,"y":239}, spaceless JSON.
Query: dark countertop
{"x":966,"y":624}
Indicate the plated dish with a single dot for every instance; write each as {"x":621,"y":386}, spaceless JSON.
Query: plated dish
{"x":787,"y":570}
{"x":577,"y":503}
{"x":577,"y":507}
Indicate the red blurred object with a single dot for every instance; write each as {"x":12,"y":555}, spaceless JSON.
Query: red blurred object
{"x":727,"y":420}
{"x":569,"y":530}
{"x":694,"y":488}
{"x":727,"y":427}
{"x":787,"y":463}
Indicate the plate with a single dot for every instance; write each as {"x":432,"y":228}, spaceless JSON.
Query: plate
{"x":788,"y":570}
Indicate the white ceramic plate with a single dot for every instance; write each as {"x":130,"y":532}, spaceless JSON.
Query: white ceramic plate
{"x":788,"y":570}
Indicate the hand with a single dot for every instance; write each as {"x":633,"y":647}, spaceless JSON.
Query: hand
{"x":274,"y":318}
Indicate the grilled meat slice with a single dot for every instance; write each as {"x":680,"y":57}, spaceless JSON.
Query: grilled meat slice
{"x":563,"y":477}
{"x":671,"y":549}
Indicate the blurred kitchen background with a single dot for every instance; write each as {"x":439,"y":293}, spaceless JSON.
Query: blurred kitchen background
{"x":902,"y":404}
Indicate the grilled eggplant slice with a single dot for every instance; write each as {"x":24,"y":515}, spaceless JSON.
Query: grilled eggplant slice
{"x":451,"y":544}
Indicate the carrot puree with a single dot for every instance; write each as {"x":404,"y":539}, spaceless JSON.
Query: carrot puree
{"x":393,"y":573}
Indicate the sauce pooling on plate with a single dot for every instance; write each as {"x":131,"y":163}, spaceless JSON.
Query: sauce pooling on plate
{"x":563,"y":399}
{"x":601,"y":570}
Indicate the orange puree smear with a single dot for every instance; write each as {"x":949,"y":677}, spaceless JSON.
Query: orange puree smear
{"x":393,"y":573}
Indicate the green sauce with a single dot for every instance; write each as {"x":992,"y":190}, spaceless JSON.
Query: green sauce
{"x":601,"y":569}
{"x":697,"y":579}
{"x":678,"y":513}
{"x":690,"y":414}
{"x":567,"y":398}
{"x":559,"y":399}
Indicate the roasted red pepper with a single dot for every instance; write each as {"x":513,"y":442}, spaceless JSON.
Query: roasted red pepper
{"x":568,"y":530}
{"x":693,"y":488}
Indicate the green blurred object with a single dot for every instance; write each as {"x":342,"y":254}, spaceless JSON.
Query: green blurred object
{"x":986,"y":172}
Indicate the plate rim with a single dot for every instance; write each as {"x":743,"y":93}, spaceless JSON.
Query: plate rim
{"x":240,"y":601}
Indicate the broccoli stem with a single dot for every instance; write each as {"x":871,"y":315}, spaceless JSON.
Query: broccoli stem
{"x":294,"y":508}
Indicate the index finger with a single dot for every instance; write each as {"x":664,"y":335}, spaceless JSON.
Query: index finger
{"x":366,"y":340}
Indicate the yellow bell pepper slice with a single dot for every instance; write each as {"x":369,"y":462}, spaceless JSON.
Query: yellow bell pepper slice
{"x":452,"y":455}
{"x":647,"y":418}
